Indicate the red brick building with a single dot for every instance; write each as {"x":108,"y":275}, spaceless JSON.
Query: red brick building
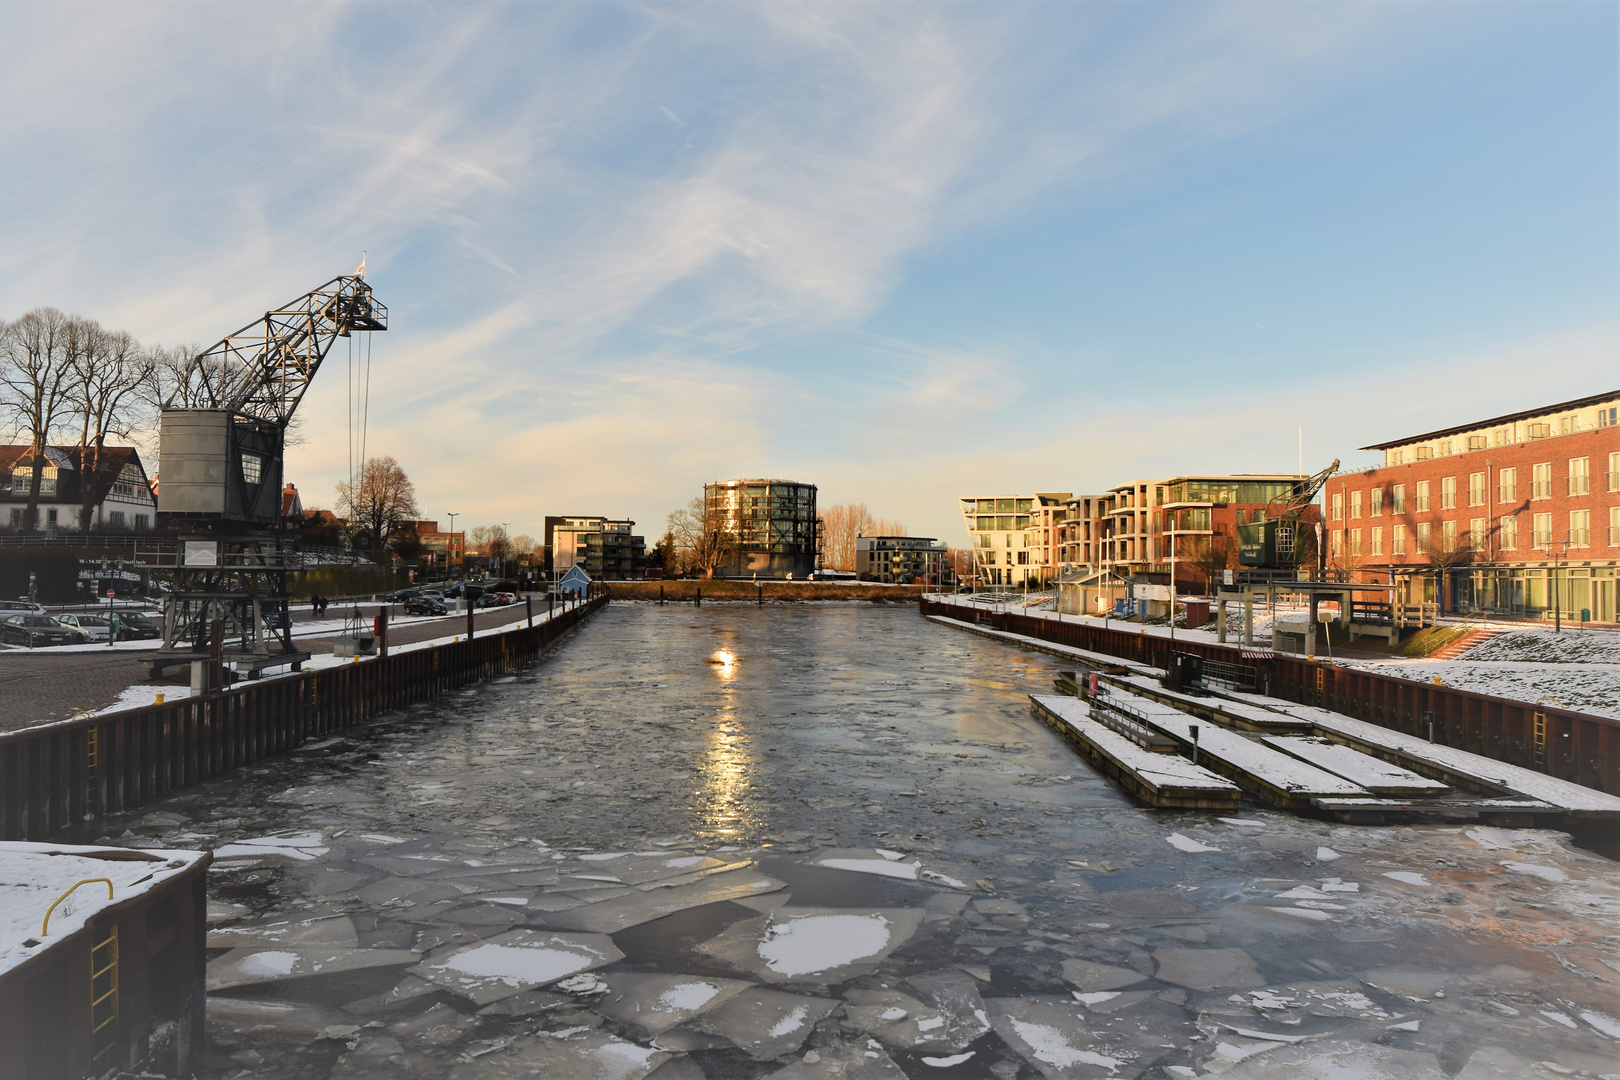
{"x":1509,"y":515}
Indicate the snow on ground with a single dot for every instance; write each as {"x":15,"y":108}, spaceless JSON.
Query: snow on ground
{"x":1545,"y":646}
{"x":1588,"y":688}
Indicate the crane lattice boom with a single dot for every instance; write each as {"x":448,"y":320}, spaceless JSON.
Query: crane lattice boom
{"x":264,"y":368}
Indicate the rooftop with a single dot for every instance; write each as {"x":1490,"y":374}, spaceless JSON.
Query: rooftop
{"x":1507,"y":418}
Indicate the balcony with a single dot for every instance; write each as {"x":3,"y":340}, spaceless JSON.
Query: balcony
{"x":1507,"y":493}
{"x":1541,"y":541}
{"x":1614,"y":481}
{"x":1580,"y":485}
{"x":1541,"y":489}
{"x":1580,"y":538}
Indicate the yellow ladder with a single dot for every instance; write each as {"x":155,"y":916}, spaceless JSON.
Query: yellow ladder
{"x":104,"y":998}
{"x":1538,"y":751}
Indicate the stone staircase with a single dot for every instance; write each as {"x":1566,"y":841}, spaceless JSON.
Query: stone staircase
{"x":1463,"y":644}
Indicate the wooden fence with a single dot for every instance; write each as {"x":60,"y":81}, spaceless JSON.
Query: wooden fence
{"x":1573,"y":746}
{"x":57,"y":774}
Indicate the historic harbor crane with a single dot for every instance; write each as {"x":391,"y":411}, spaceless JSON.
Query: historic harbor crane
{"x":1272,"y":544}
{"x":221,"y":443}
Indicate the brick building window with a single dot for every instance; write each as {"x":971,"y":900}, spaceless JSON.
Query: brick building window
{"x":1541,"y":480}
{"x":1397,"y":540}
{"x":1476,"y":489}
{"x":1580,"y":528}
{"x":1507,"y":533}
{"x":1337,"y":548}
{"x":1377,"y":502}
{"x":1448,"y":533}
{"x":1476,"y":533}
{"x":1580,"y":478}
{"x":1423,"y":496}
{"x":1507,"y":485}
{"x":1355,"y":504}
{"x":1422,"y":535}
{"x":1355,"y":541}
{"x":1448,"y":493}
{"x":1338,"y":506}
{"x":1399,"y":499}
{"x":1614,"y":472}
{"x":1378,"y":541}
{"x":1614,"y":526}
{"x":1608,"y":417}
{"x":1541,"y":532}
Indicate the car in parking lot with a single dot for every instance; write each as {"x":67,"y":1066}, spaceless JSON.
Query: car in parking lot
{"x":464,"y":591}
{"x":425,"y":605}
{"x":20,"y":607}
{"x":36,"y":630}
{"x":93,"y":627}
{"x":134,"y":626}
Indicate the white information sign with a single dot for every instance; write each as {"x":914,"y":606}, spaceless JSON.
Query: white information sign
{"x":201,"y":553}
{"x":1151,"y":592}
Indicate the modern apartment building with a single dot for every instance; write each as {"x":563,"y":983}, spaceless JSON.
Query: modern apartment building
{"x":900,"y":560}
{"x":772,"y":525}
{"x":1184,"y":526}
{"x":1014,"y":538}
{"x":1502,"y":511}
{"x":605,"y":548}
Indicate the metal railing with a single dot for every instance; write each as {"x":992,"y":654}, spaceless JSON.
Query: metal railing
{"x":56,"y":775}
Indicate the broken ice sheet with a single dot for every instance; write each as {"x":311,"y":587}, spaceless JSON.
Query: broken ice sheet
{"x":250,"y":966}
{"x":842,"y":1062}
{"x":580,"y":1055}
{"x":291,"y":848}
{"x":336,"y":931}
{"x":869,"y":861}
{"x":517,"y":960}
{"x":823,"y":945}
{"x":765,"y":1023}
{"x":1187,"y":843}
{"x":1054,"y":1038}
{"x":1090,"y":977}
{"x":1208,"y":969}
{"x":1337,"y":1058}
{"x":896,"y":1019}
{"x":656,"y":1003}
{"x":635,"y":907}
{"x":955,"y":995}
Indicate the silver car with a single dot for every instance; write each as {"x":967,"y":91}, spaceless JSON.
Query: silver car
{"x":93,"y":627}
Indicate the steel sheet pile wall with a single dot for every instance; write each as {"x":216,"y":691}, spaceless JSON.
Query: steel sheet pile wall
{"x":1572,"y":746}
{"x":57,"y":774}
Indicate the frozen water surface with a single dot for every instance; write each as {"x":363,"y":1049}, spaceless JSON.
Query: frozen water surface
{"x":850,"y":852}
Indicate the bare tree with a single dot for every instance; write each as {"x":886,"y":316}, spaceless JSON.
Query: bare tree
{"x":36,"y":380}
{"x":1210,"y":555}
{"x":489,"y":541}
{"x":380,"y":501}
{"x":111,"y":373}
{"x":521,"y":549}
{"x":703,"y":539}
{"x":1446,"y":551}
{"x":840,"y":525}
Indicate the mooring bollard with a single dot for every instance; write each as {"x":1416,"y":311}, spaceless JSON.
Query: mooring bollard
{"x":698,"y":599}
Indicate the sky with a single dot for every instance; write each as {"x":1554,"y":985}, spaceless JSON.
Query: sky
{"x":903,"y":251}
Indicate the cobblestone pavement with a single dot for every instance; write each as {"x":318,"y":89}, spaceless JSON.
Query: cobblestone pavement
{"x":38,"y":686}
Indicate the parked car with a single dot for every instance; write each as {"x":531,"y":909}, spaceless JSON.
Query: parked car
{"x":36,"y":630}
{"x":93,"y":627}
{"x":504,"y":598}
{"x":20,"y":607}
{"x":134,"y":626}
{"x":465,"y":591}
{"x":399,"y":596}
{"x":425,"y":605}
{"x":275,"y":620}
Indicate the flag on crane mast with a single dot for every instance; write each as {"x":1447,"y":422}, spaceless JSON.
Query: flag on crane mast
{"x":362,"y":271}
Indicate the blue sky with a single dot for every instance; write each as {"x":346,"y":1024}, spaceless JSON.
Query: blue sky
{"x":904,"y":251}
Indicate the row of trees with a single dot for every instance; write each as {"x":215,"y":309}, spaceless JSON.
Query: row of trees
{"x":68,"y":379}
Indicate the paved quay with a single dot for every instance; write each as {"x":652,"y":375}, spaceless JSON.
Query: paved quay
{"x":38,"y":686}
{"x":789,"y":841}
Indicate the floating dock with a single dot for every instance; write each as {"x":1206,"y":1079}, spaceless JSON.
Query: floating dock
{"x":1157,"y":779}
{"x":1378,"y":777}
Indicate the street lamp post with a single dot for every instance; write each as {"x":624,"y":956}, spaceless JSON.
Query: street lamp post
{"x":450,"y":544}
{"x":1557,"y":549}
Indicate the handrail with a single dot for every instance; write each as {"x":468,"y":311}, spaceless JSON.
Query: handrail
{"x":86,"y":881}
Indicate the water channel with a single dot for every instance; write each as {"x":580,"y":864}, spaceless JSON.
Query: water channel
{"x":830,"y":841}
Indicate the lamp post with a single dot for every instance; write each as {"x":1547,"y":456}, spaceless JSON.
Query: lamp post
{"x":1557,"y":549}
{"x":450,"y":544}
